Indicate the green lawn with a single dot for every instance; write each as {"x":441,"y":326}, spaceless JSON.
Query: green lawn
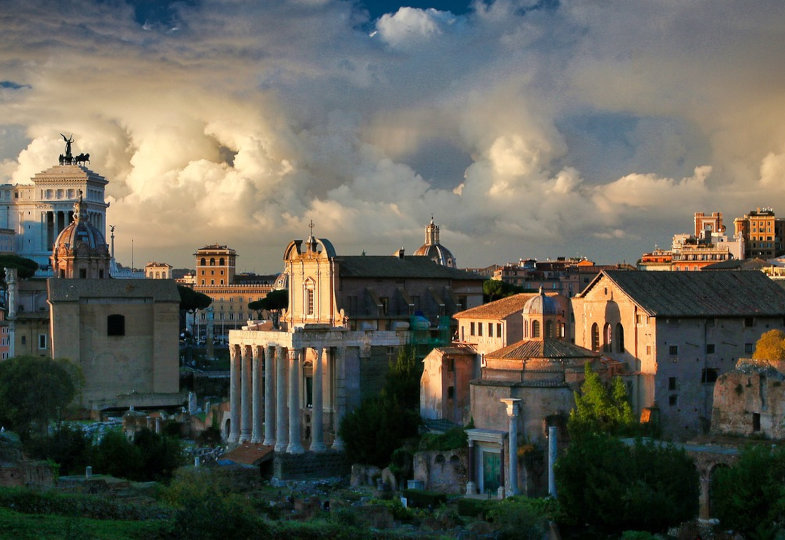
{"x":34,"y":526}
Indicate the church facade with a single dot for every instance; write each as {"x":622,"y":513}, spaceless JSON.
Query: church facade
{"x":347,"y":318}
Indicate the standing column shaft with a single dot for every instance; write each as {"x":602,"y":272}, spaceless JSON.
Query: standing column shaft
{"x":552,"y":453}
{"x":234,"y":395}
{"x":256,"y":376}
{"x":281,"y":437}
{"x":245,"y":427}
{"x":295,"y":446}
{"x":340,"y":395}
{"x":269,"y":418}
{"x":512,"y":464}
{"x":317,"y":431}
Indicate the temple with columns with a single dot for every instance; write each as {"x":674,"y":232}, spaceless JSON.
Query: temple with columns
{"x":346,"y":320}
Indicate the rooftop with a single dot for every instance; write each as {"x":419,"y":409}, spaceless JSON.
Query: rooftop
{"x":699,"y":294}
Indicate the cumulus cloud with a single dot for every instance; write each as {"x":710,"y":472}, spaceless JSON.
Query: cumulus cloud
{"x":526,"y":129}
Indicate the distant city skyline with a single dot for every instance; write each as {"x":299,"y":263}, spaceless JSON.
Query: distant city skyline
{"x":526,"y":129}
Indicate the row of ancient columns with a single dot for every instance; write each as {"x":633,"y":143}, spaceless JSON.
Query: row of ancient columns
{"x":252,"y":407}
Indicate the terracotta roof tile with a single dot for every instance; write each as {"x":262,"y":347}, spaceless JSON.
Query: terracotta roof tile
{"x":498,"y":309}
{"x":556,"y":349}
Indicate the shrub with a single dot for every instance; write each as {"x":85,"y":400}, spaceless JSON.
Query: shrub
{"x":613,"y":487}
{"x":449,"y":440}
{"x":474,"y":507}
{"x":517,"y":518}
{"x":418,"y":498}
{"x":206,"y":509}
{"x":29,"y":501}
{"x":69,"y":447}
{"x":749,"y":493}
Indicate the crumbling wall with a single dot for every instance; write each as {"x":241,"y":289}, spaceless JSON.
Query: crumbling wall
{"x":442,"y":471}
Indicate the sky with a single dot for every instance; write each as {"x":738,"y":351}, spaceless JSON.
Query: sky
{"x":524,"y":128}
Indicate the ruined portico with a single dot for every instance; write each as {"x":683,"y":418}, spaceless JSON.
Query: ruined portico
{"x":291,"y":389}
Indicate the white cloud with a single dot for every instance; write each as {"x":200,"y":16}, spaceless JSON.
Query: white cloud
{"x":592,"y":128}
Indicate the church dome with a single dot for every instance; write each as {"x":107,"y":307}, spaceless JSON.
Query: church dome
{"x":540,"y":305}
{"x":80,"y":235}
{"x":433,"y":249}
{"x":80,"y":250}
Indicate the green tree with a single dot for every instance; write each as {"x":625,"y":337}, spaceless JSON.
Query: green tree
{"x":494,"y":289}
{"x":381,"y":424}
{"x":69,"y":447}
{"x":160,"y":455}
{"x":749,"y":494}
{"x":207,"y":508}
{"x":770,"y":346}
{"x":25,"y":267}
{"x":190,"y":300}
{"x":612,"y":486}
{"x":35,"y":390}
{"x":599,"y":409}
{"x":275,"y":301}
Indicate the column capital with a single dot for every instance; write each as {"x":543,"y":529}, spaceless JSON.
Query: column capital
{"x":513,"y":405}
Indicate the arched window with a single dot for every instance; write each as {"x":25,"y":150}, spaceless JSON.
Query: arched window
{"x":595,"y":337}
{"x":606,"y":337}
{"x":309,"y":286}
{"x":221,"y":261}
{"x":619,"y":338}
{"x":549,"y":329}
{"x":212,"y":261}
{"x":115,"y":325}
{"x":535,"y":329}
{"x":204,"y":261}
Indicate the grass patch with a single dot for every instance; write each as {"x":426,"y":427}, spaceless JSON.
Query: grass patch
{"x":35,"y":526}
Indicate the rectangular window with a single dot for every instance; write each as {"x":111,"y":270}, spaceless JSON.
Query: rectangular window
{"x":673,"y":350}
{"x":708,"y":375}
{"x":749,"y":322}
{"x":648,"y":350}
{"x":115,"y":325}
{"x":24,"y":340}
{"x":748,"y":348}
{"x":673,"y":400}
{"x":498,"y":330}
{"x":479,"y":329}
{"x":710,"y":348}
{"x":671,"y":383}
{"x":490,"y":329}
{"x":42,"y":341}
{"x":471,"y":329}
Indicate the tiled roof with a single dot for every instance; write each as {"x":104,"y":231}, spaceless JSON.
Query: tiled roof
{"x":248,"y":454}
{"x":556,"y":349}
{"x":736,"y":264}
{"x":388,"y":266}
{"x":71,"y":290}
{"x":498,"y":309}
{"x":701,"y":294}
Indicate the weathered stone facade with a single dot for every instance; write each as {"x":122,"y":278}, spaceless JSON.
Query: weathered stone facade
{"x":442,"y":471}
{"x":750,"y":400}
{"x":676,"y":332}
{"x":124,"y":336}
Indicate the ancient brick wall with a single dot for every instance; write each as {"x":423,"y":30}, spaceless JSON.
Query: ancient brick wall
{"x":442,"y":471}
{"x":309,"y":465}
